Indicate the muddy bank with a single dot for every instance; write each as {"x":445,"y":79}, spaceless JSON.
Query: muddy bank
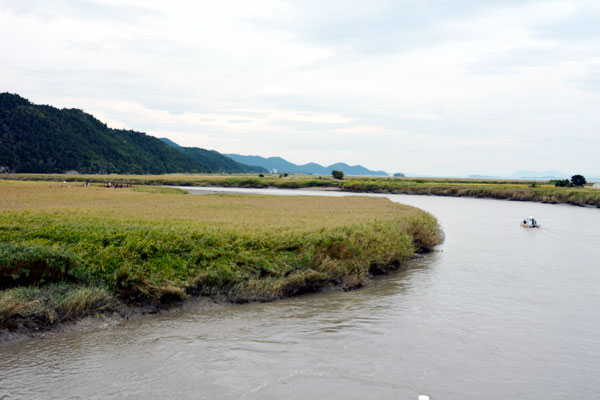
{"x":40,"y":326}
{"x":34,"y":327}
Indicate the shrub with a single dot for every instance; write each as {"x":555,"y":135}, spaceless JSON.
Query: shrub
{"x":131,"y":286}
{"x":33,"y":264}
{"x":337,"y":174}
{"x":562,"y":183}
{"x":578,"y":180}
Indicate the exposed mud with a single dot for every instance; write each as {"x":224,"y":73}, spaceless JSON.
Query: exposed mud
{"x":36,"y":327}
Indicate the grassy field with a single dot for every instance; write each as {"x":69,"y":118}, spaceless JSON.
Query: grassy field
{"x":483,"y":188}
{"x":67,"y":250}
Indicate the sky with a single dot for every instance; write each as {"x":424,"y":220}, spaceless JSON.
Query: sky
{"x":435,"y":87}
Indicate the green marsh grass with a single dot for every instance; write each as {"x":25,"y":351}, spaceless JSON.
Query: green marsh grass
{"x":68,"y":250}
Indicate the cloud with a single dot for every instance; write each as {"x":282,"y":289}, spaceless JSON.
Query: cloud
{"x":579,"y":24}
{"x":431,"y":87}
{"x":116,"y":12}
{"x":590,"y":81}
{"x":377,"y":27}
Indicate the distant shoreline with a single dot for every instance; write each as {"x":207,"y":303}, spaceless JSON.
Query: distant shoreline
{"x":516,"y":190}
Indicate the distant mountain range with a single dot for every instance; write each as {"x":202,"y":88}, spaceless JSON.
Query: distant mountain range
{"x":217,"y":161}
{"x":45,"y":139}
{"x":533,"y":175}
{"x":279,"y":165}
{"x":476,"y":176}
{"x":526,"y":174}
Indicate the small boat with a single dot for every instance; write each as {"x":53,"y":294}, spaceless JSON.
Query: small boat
{"x":530,"y":222}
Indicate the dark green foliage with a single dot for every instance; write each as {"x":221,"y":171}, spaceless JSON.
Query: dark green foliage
{"x":578,"y":180}
{"x":562,"y":183}
{"x":218,"y":162}
{"x":337,"y":174}
{"x":44,"y":139}
{"x":33,"y":264}
{"x":170,"y":143}
{"x":130,"y":286}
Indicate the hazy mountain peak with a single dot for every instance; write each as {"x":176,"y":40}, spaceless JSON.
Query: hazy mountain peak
{"x":528,"y":174}
{"x":278,"y":164}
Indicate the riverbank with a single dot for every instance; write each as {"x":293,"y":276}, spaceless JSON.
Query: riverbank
{"x":518,"y":190}
{"x":34,"y":327}
{"x":69,"y":251}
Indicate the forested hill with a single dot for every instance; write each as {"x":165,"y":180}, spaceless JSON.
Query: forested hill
{"x":44,"y":139}
{"x":216,"y":159}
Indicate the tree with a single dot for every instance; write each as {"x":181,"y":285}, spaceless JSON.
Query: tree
{"x":578,"y":180}
{"x":337,"y":174}
{"x":562,"y":183}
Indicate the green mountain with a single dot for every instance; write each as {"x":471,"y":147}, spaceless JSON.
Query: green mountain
{"x":44,"y":139}
{"x":170,"y":143}
{"x":216,"y":159}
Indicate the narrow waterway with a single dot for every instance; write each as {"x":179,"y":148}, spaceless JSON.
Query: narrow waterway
{"x":498,"y":312}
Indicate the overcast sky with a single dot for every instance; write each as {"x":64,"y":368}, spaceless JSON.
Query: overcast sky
{"x":435,"y":87}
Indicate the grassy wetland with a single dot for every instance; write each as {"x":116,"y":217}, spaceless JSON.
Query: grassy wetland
{"x":541,"y":191}
{"x":67,"y":251}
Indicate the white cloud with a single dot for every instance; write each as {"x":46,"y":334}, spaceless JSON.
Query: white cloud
{"x":392,"y":85}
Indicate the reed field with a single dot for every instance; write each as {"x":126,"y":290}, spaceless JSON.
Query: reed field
{"x":68,"y":250}
{"x":541,"y":191}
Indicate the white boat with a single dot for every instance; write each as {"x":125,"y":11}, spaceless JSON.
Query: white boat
{"x":530,"y":222}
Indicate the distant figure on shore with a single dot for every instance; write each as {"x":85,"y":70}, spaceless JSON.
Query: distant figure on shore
{"x":111,"y":185}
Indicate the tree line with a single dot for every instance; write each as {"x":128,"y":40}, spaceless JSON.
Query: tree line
{"x":576,"y":181}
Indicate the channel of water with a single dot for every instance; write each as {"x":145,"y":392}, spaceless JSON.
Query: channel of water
{"x":497,"y":312}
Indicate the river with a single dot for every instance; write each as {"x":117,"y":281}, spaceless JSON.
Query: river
{"x":497,"y":312}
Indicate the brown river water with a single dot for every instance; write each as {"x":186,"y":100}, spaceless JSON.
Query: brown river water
{"x":498,"y":312}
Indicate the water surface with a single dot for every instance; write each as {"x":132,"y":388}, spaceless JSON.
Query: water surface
{"x":498,"y":312}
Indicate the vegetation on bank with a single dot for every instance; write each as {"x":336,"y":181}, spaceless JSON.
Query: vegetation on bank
{"x":68,"y":250}
{"x":576,"y":180}
{"x":337,"y":174}
{"x":539,"y":191}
